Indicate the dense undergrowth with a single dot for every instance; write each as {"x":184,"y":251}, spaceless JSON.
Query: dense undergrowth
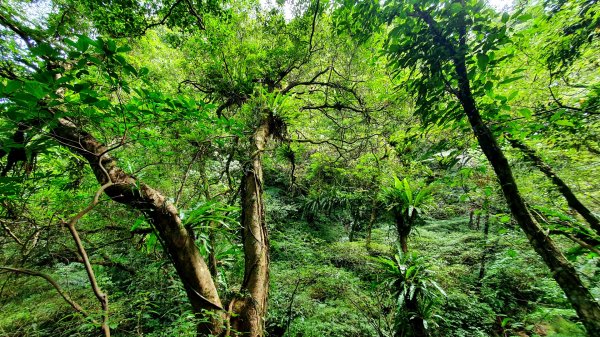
{"x":321,"y":285}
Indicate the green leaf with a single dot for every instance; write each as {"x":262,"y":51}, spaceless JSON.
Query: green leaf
{"x":143,"y":72}
{"x":455,"y":8}
{"x":138,"y":222}
{"x":512,"y":79}
{"x":42,"y":49}
{"x":12,"y":85}
{"x":83,"y":43}
{"x":124,"y":49}
{"x":525,"y":17}
{"x":36,"y":89}
{"x":408,"y":191}
{"x":437,"y":286}
{"x":487,"y":191}
{"x":482,"y":61}
{"x":564,"y":122}
{"x":397,"y":183}
{"x":525,"y":112}
{"x":111,"y":45}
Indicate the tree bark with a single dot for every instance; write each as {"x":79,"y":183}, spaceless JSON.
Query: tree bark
{"x":177,"y":241}
{"x":563,"y":272}
{"x":250,"y":307}
{"x":563,"y":188}
{"x":416,"y":323}
{"x":371,"y":221}
{"x":403,"y":228}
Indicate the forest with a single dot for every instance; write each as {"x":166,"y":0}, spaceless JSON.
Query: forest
{"x":300,"y":168}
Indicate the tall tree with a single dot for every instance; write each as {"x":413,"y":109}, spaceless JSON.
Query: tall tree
{"x":446,"y":53}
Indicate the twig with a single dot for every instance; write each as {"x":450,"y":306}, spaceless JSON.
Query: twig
{"x":185,"y":177}
{"x":102,"y":297}
{"x":50,"y":280}
{"x":11,"y":234}
{"x":289,"y":311}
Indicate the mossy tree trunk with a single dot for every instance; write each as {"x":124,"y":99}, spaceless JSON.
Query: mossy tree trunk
{"x":250,"y":306}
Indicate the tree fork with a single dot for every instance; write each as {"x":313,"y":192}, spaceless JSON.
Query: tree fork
{"x":178,"y":242}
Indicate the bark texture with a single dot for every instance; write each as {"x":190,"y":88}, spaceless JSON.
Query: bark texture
{"x":178,"y":242}
{"x":563,"y":188}
{"x":250,"y":307}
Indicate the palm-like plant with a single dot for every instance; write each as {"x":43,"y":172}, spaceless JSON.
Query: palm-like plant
{"x":411,"y":282}
{"x":405,"y":207}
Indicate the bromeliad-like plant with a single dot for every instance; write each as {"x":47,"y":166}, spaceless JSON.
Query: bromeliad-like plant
{"x":411,"y":282}
{"x":405,"y":206}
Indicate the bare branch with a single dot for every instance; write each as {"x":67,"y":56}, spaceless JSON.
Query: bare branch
{"x":50,"y":280}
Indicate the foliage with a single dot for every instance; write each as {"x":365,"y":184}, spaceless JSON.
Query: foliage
{"x":412,"y":284}
{"x":355,"y":94}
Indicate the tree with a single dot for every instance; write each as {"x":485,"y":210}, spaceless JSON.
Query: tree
{"x":405,"y":207}
{"x":446,"y":52}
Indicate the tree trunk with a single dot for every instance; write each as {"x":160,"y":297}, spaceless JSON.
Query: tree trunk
{"x":486,"y":249}
{"x":352,"y":231}
{"x":471,"y":225}
{"x":250,"y":307}
{"x":564,"y":274}
{"x":404,"y":243}
{"x":354,"y":225}
{"x":178,"y":242}
{"x":416,"y":323}
{"x":565,"y":190}
{"x":403,"y":228}
{"x":371,"y":221}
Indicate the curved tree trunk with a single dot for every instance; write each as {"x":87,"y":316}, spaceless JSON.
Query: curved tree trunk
{"x":563,"y":188}
{"x":177,"y":241}
{"x":250,"y":307}
{"x":563,"y":272}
